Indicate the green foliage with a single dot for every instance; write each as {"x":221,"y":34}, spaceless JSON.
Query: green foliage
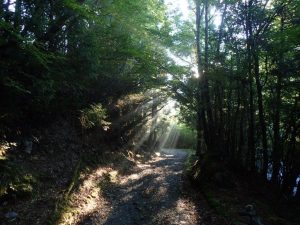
{"x":187,"y":137}
{"x":184,"y":135}
{"x":94,"y":116}
{"x":58,"y":57}
{"x":245,"y":103}
{"x":13,"y":180}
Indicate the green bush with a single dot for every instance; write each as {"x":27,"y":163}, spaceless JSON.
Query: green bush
{"x":93,"y":117}
{"x":187,"y":137}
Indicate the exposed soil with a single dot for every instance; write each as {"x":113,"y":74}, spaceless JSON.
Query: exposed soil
{"x":155,"y":192}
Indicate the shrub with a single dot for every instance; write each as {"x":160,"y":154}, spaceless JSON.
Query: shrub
{"x":93,"y":117}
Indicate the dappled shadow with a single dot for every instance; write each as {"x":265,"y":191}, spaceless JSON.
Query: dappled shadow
{"x":151,"y":195}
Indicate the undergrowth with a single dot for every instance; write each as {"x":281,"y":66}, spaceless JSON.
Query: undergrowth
{"x":14,"y":180}
{"x":120,"y":163}
{"x":62,"y":204}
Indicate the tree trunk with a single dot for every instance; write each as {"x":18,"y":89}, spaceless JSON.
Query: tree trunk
{"x":242,"y":142}
{"x":18,"y":12}
{"x":234,"y":128}
{"x":277,"y":151}
{"x":221,"y":31}
{"x":251,"y":145}
{"x":205,"y":90}
{"x":201,"y":118}
{"x":5,"y":10}
{"x":1,"y":9}
{"x":297,"y":196}
{"x":262,"y":121}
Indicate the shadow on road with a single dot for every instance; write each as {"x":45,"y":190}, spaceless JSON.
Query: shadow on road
{"x":151,"y":195}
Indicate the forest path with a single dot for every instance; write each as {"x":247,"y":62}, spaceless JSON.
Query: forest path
{"x":152,"y":194}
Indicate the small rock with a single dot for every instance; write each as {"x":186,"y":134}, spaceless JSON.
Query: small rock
{"x":11,"y":215}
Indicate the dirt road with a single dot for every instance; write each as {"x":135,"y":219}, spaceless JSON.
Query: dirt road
{"x":153,"y":194}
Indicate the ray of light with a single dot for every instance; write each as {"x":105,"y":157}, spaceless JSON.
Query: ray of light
{"x":170,"y":139}
{"x":145,"y":136}
{"x":135,"y":111}
{"x":165,"y":137}
{"x":173,"y":138}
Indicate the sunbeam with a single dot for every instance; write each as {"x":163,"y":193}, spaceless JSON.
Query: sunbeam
{"x":144,"y":137}
{"x":152,"y":121}
{"x":171,"y":138}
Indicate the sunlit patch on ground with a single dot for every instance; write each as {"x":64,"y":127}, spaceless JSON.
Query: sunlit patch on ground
{"x":183,"y":212}
{"x":143,"y":166}
{"x":151,"y":194}
{"x":133,"y":177}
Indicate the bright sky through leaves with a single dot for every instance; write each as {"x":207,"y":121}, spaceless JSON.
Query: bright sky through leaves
{"x":184,"y":8}
{"x":181,"y":5}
